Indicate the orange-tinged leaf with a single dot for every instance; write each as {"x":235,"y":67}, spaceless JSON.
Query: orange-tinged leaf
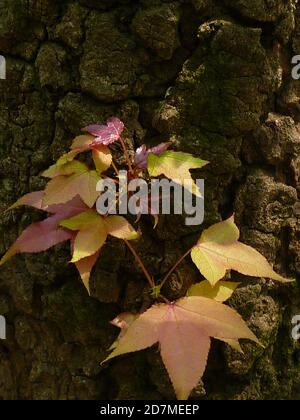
{"x":176,"y":166}
{"x":63,"y":188}
{"x":232,"y":343}
{"x":219,"y":250}
{"x":34,"y":199}
{"x":183,"y":330}
{"x":102,"y":158}
{"x":82,"y":142}
{"x":85,"y":267}
{"x":118,"y":227}
{"x":221,"y":292}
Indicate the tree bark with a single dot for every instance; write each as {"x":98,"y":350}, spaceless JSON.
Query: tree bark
{"x":213,"y":75}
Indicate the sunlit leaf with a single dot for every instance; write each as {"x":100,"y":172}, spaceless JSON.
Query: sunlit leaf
{"x":119,"y":227}
{"x":106,"y":134}
{"x":34,"y":199}
{"x":64,"y":168}
{"x":122,"y":321}
{"x":102,"y":158}
{"x":219,"y":250}
{"x":142,"y":153}
{"x":93,"y":230}
{"x":176,"y":166}
{"x":183,"y":329}
{"x":221,"y":292}
{"x":84,"y":182}
{"x":43,"y":235}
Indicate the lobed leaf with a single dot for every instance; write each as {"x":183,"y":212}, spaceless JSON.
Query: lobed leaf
{"x":64,"y":168}
{"x":219,"y":250}
{"x":176,"y":166}
{"x":93,"y":230}
{"x":183,"y":329}
{"x":106,"y":134}
{"x":43,"y":235}
{"x":61,"y":189}
{"x":221,"y":292}
{"x":102,"y":158}
{"x":142,"y":153}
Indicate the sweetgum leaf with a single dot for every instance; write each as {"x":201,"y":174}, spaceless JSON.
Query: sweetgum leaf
{"x":221,"y":292}
{"x":142,"y":153}
{"x":118,"y":227}
{"x":84,"y":182}
{"x":93,"y":230}
{"x":102,"y":158}
{"x":234,"y":344}
{"x":85,"y":267}
{"x":176,"y":166}
{"x":106,"y":134}
{"x":64,"y":168}
{"x":34,"y":199}
{"x":183,"y":329}
{"x":82,"y":142}
{"x":91,"y":235}
{"x":219,"y":250}
{"x":38,"y":237}
{"x":43,"y":235}
{"x":122,"y":321}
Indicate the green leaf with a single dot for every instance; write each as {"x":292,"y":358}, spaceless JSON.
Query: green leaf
{"x":176,"y":166}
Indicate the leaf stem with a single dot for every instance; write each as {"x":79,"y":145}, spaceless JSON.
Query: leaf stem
{"x":115,"y":167}
{"x":124,"y":147}
{"x":175,"y":266}
{"x":139,"y":260}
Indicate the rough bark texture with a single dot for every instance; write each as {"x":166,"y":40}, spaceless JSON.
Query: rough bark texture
{"x":215,"y":75}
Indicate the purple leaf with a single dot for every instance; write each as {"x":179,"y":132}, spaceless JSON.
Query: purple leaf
{"x":43,"y":235}
{"x":106,"y":134}
{"x":141,"y":154}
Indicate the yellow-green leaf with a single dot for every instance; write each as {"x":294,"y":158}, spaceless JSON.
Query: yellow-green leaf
{"x":91,"y":236}
{"x":176,"y":166}
{"x":64,"y":167}
{"x":219,"y":250}
{"x":88,"y":241}
{"x":81,"y":221}
{"x":221,"y":292}
{"x":102,"y":158}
